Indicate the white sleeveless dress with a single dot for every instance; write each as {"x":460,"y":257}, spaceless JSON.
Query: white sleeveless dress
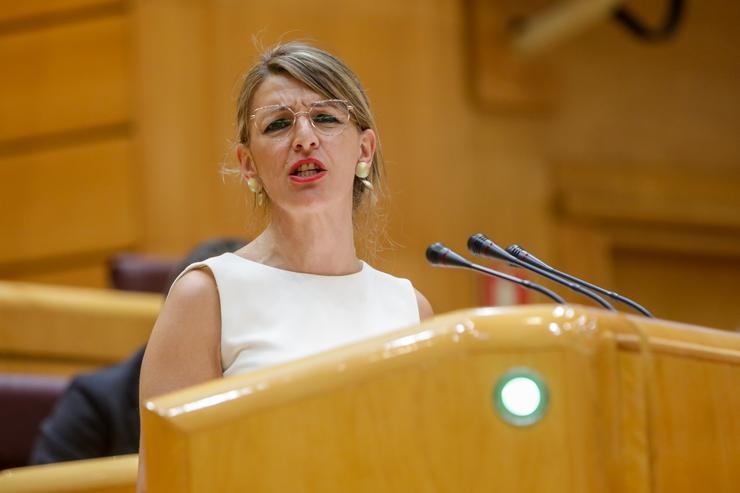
{"x":270,"y":316}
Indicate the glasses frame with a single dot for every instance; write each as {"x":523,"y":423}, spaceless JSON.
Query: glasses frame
{"x":350,"y":109}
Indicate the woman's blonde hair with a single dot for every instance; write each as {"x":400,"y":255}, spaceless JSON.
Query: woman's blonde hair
{"x":328,"y":76}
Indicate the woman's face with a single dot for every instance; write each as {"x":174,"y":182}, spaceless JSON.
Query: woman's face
{"x":302,"y":170}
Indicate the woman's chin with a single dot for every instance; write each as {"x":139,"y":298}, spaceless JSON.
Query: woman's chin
{"x":315,"y":202}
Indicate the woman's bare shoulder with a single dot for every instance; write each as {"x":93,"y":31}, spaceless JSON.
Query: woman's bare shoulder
{"x":192,"y":307}
{"x":194,"y":283}
{"x":184,"y":346}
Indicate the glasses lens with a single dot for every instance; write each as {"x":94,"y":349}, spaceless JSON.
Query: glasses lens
{"x":329,"y":117}
{"x":273,"y":121}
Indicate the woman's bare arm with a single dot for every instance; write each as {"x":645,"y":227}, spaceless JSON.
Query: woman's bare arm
{"x":425,"y":308}
{"x":184,"y":348}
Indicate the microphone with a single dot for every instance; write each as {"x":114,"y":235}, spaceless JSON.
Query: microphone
{"x":525,"y":256}
{"x":480,"y":245}
{"x":439,"y":255}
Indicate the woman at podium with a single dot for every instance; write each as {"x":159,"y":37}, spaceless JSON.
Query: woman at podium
{"x":308,"y":152}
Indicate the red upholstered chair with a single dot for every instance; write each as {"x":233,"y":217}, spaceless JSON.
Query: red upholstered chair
{"x":141,"y":272}
{"x":137,"y":272}
{"x":25,"y":400}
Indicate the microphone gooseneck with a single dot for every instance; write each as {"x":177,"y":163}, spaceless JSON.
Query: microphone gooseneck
{"x":439,"y":255}
{"x":525,"y":256}
{"x":480,"y":245}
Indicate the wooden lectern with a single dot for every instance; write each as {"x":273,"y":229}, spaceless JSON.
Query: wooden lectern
{"x":621,"y":404}
{"x":529,"y":399}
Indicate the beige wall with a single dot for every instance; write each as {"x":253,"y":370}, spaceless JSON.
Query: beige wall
{"x":150,"y":86}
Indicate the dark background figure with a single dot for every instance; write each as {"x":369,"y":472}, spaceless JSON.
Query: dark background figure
{"x":98,"y":414}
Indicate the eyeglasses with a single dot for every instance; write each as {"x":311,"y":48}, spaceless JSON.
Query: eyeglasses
{"x":328,"y":117}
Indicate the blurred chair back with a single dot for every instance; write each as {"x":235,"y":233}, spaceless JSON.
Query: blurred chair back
{"x":25,"y":400}
{"x":69,"y":330}
{"x":106,"y":475}
{"x":136,"y":272}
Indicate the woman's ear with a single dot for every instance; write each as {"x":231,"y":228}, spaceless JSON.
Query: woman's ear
{"x":246,"y":164}
{"x":368,"y":141}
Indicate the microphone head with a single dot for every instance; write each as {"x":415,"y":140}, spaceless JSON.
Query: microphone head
{"x":524,"y":255}
{"x":438,"y":254}
{"x":480,"y":245}
{"x":477,"y":243}
{"x":516,"y":251}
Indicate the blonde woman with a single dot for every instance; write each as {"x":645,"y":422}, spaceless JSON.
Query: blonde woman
{"x":309,"y":152}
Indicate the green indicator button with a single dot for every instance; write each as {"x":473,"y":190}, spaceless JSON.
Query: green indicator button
{"x":521,"y":397}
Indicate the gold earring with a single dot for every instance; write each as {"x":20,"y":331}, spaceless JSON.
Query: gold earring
{"x":256,"y":187}
{"x":362,"y":171}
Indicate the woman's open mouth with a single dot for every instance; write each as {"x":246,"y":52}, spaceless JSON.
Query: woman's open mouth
{"x":307,"y":170}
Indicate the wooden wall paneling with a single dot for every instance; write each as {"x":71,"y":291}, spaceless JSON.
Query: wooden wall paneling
{"x":669,"y":236}
{"x":648,"y":137}
{"x":624,"y":192}
{"x":38,"y":9}
{"x":696,"y":287}
{"x":687,"y":274}
{"x":46,"y":366}
{"x":172,"y":111}
{"x":515,"y":188}
{"x":674,"y":103}
{"x":501,"y":79}
{"x":441,"y":176}
{"x":64,"y":78}
{"x":417,"y":78}
{"x":233,"y":53}
{"x":83,"y":269}
{"x":66,"y":202}
{"x":584,"y":251}
{"x":677,"y":239}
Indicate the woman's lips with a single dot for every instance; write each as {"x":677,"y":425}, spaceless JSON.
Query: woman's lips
{"x":306,"y":163}
{"x":307,"y":171}
{"x":308,"y":178}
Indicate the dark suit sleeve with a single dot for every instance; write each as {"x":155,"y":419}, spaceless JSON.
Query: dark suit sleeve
{"x":98,"y":416}
{"x":71,"y":432}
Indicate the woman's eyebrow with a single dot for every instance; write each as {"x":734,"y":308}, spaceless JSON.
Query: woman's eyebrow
{"x":302,"y":104}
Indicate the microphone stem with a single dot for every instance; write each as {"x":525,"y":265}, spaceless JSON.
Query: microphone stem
{"x":601,"y":290}
{"x":561,"y":280}
{"x":480,"y":245}
{"x":541,"y":289}
{"x":570,"y":284}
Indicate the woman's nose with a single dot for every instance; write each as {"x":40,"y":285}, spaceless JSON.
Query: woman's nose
{"x":304,"y":136}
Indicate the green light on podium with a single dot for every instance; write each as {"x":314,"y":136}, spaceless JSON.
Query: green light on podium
{"x":521,"y":397}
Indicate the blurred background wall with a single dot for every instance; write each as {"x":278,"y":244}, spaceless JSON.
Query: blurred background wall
{"x":611,"y":158}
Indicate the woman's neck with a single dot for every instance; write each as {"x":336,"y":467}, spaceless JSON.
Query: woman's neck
{"x":313,"y":243}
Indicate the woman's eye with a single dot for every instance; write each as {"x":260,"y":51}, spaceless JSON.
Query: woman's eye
{"x":279,"y":124}
{"x":325,"y":118}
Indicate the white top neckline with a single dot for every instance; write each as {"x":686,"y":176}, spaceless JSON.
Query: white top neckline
{"x":364,"y":267}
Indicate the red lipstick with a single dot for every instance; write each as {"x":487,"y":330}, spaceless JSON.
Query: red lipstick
{"x":307,"y":170}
